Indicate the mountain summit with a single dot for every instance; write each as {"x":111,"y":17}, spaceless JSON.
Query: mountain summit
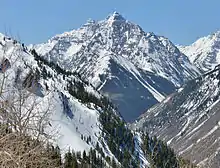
{"x":118,"y":58}
{"x":205,"y":52}
{"x":116,"y":17}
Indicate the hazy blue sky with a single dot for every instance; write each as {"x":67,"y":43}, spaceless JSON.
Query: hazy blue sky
{"x":182,"y":21}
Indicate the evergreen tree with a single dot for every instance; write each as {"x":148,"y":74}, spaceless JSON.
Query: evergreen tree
{"x":68,"y":160}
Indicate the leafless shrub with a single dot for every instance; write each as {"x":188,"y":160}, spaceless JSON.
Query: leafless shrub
{"x":24,"y":118}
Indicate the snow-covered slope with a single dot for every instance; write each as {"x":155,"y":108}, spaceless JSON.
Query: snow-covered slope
{"x":86,"y":120}
{"x":74,"y":122}
{"x":121,"y":60}
{"x":188,"y":120}
{"x":205,"y":52}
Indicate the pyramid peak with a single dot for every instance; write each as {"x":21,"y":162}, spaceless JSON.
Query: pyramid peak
{"x":115,"y":16}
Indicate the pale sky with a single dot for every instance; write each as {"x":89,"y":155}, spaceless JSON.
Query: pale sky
{"x":182,"y":21}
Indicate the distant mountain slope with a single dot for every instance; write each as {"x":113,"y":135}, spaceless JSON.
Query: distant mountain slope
{"x":188,"y":120}
{"x":205,"y":52}
{"x":121,"y":60}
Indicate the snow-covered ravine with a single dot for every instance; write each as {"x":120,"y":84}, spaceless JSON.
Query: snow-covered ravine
{"x":138,"y":143}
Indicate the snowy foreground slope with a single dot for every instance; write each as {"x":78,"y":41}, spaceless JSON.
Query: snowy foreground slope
{"x":122,"y":61}
{"x":70,"y":118}
{"x":189,"y":120}
{"x":205,"y":52}
{"x":18,"y":57}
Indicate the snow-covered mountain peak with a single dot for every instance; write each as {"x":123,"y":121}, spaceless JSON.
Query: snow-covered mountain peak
{"x":115,"y":51}
{"x":205,"y":52}
{"x":216,"y":34}
{"x":90,"y":21}
{"x":3,"y":37}
{"x":210,"y":40}
{"x":115,"y":17}
{"x":93,"y":28}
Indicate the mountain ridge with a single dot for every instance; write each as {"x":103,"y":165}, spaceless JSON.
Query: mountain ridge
{"x":204,"y":52}
{"x":188,"y":120}
{"x":143,"y":60}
